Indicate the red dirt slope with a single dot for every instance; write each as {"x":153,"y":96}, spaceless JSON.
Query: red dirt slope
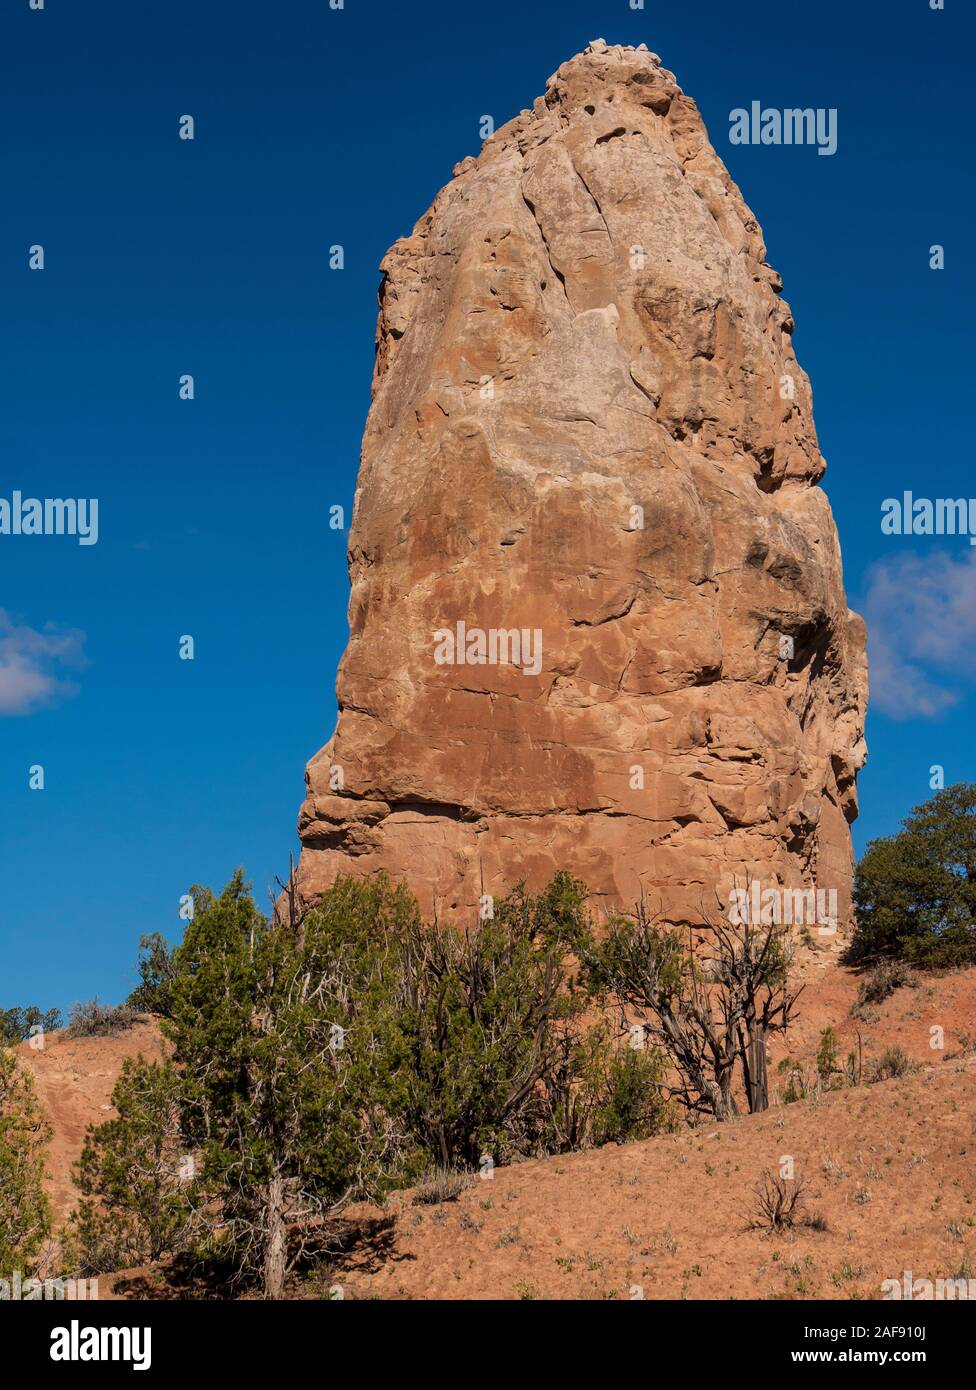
{"x":890,"y":1167}
{"x":74,"y":1079}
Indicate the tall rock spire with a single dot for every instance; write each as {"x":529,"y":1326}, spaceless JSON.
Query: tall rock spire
{"x":597,"y":618}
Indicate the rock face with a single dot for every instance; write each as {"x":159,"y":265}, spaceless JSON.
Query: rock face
{"x":590,"y":470}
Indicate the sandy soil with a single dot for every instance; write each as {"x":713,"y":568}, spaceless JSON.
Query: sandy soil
{"x":891,"y":1168}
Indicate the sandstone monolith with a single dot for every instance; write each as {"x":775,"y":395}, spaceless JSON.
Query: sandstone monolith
{"x":597,"y":617}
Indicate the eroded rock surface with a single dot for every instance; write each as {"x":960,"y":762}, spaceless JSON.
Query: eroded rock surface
{"x":582,"y":427}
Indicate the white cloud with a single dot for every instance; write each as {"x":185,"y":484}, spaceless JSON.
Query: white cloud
{"x":30,"y":662}
{"x":921,"y":617}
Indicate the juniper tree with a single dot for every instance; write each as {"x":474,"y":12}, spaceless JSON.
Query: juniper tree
{"x":25,"y":1215}
{"x":915,"y":892}
{"x":488,"y":1018}
{"x":135,"y":1175}
{"x":280,"y":1033}
{"x":335,"y":1053}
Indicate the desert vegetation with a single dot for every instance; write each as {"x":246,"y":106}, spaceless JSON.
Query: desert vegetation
{"x":326,"y":1055}
{"x":711,"y":1007}
{"x":322,"y":1056}
{"x":17,"y":1025}
{"x":92,"y":1019}
{"x":318,"y":1057}
{"x":25,"y":1216}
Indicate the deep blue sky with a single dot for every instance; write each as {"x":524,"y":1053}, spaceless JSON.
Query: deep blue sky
{"x":314,"y":127}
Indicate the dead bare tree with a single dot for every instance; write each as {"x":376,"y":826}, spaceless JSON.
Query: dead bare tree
{"x":711,"y":1004}
{"x":749,"y":965}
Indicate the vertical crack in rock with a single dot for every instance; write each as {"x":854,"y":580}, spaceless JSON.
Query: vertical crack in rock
{"x":602,"y":497}
{"x":560,"y":278}
{"x":599,"y":210}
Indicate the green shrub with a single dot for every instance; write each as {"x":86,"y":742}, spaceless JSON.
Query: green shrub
{"x":894,"y":1061}
{"x":797,"y":1085}
{"x":828,"y":1054}
{"x":25,"y":1216}
{"x":134,"y":1176}
{"x":485,"y":1020}
{"x":630,"y":1097}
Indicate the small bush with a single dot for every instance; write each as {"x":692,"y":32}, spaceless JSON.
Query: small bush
{"x":798,"y":1087}
{"x":440,"y":1185}
{"x":630,"y":1098}
{"x":881,"y":982}
{"x":481,"y":1019}
{"x":828,"y":1066}
{"x":94,"y":1020}
{"x":894,"y":1061}
{"x":854,"y":1066}
{"x":779,"y":1203}
{"x":95,"y":1242}
{"x":606,"y":1093}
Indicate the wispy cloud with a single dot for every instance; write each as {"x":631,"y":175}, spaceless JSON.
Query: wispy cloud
{"x":921,"y":617}
{"x":31,"y":661}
